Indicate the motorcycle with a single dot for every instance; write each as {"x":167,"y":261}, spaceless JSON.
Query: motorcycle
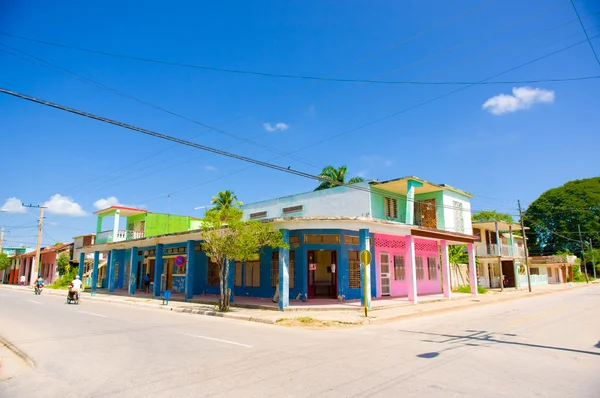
{"x":73,"y":297}
{"x":38,"y":289}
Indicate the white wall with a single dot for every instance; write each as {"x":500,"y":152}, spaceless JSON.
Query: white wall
{"x":339,"y":201}
{"x":449,"y":198}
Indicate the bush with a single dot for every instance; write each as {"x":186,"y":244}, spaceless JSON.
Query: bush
{"x":467,"y":289}
{"x":578,"y":276}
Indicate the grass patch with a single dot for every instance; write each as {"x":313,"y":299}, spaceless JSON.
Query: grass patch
{"x":467,"y":289}
{"x":308,"y":322}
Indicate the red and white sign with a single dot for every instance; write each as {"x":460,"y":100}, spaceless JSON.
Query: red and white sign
{"x":312,"y":267}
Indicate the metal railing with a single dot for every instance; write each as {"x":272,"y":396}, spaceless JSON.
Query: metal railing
{"x":120,"y":236}
{"x":495,"y":250}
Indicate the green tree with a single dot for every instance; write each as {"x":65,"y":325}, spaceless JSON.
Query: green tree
{"x":336,"y":175}
{"x":554,"y":216}
{"x":491,"y":215}
{"x":63,"y":265}
{"x":225,"y":200}
{"x":226,"y":238}
{"x":4,"y":261}
{"x":457,"y":255}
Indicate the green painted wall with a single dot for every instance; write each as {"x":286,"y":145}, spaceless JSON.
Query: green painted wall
{"x":160,"y":224}
{"x":439,"y":202}
{"x":195,"y":224}
{"x":135,"y":219}
{"x":377,"y":204}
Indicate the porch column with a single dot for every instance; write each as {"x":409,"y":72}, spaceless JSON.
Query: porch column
{"x":410,"y":200}
{"x":511,"y":247}
{"x":133,"y":261}
{"x":411,"y":270}
{"x":231,"y":279}
{"x":365,"y":270}
{"x":95,"y":271}
{"x":284,"y":272}
{"x":447,"y":288}
{"x":110,"y":271}
{"x":472,"y":268}
{"x":189,"y":270}
{"x":99,"y":225}
{"x":116,"y":225}
{"x":158,"y":270}
{"x":81,"y":265}
{"x":498,"y":240}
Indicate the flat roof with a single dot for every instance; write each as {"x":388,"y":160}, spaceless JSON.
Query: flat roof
{"x":125,"y":211}
{"x":401,"y":185}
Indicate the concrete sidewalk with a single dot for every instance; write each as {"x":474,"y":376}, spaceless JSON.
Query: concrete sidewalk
{"x":317,"y":317}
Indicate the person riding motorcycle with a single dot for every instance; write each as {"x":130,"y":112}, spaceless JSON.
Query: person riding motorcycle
{"x":39,"y":283}
{"x":75,"y":287}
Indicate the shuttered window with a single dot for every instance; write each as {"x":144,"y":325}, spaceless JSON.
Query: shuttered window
{"x":419,"y":268}
{"x":252,"y":277}
{"x":275,"y":269}
{"x":353,"y":269}
{"x":399,"y":270}
{"x":390,"y":207}
{"x":432,"y":268}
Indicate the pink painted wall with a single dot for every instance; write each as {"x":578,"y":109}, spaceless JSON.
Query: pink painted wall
{"x":398,"y":245}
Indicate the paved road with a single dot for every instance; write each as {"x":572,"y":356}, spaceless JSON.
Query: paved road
{"x":545,"y":346}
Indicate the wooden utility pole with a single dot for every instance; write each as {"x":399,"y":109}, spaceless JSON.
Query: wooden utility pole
{"x":582,"y":255}
{"x":593,"y":259}
{"x":34,"y":266}
{"x":1,"y":238}
{"x":525,"y":247}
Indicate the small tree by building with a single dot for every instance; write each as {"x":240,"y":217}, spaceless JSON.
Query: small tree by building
{"x":4,"y":261}
{"x":63,"y":265}
{"x":226,"y":238}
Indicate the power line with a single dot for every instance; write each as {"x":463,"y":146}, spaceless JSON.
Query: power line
{"x":585,"y":32}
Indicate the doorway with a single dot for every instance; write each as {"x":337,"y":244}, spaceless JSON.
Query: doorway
{"x":508,"y":270}
{"x":384,"y":264}
{"x":322,"y":274}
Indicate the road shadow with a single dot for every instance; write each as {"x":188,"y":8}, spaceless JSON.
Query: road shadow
{"x":482,"y":337}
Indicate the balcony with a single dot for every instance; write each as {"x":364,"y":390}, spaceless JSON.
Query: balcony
{"x":495,"y":250}
{"x":120,"y":236}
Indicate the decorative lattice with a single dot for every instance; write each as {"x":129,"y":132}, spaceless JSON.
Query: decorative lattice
{"x":426,"y":247}
{"x":390,"y":243}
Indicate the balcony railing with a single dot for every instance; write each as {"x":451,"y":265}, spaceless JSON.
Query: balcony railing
{"x":121,"y":235}
{"x":495,"y":250}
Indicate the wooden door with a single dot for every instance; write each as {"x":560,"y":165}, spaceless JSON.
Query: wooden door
{"x":429,"y":213}
{"x":312,"y":263}
{"x":334,"y":273}
{"x":169,"y":264}
{"x":384,"y":264}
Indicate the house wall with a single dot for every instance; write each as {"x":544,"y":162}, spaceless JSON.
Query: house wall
{"x":378,"y":204}
{"x":338,"y":201}
{"x":160,"y":224}
{"x":449,"y":223}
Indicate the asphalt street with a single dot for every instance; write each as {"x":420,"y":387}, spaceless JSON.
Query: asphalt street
{"x":542,"y":346}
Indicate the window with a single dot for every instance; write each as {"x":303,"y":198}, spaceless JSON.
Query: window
{"x":549,"y":272}
{"x":212,"y":277}
{"x":237,"y":280}
{"x":294,"y":240}
{"x":252,"y":277}
{"x":390,"y":207}
{"x":477,"y":234}
{"x":292,"y":209}
{"x":275,"y":268}
{"x":174,"y":250}
{"x":258,"y":214}
{"x":176,"y":269}
{"x":534,"y":271}
{"x":431,"y":268}
{"x":399,"y":270}
{"x":321,"y":239}
{"x":353,"y":269}
{"x":351,"y":240}
{"x":419,"y":268}
{"x":459,"y":224}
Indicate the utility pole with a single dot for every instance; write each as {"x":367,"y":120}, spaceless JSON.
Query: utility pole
{"x":593,"y":259}
{"x":34,"y":267}
{"x":582,"y":254}
{"x":525,"y":247}
{"x":1,"y":238}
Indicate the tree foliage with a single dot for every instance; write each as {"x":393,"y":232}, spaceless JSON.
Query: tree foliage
{"x":225,"y":200}
{"x":226,"y":238}
{"x":63,"y":265}
{"x":337,"y":175}
{"x":4,"y":261}
{"x":491,"y":215}
{"x":555,"y":215}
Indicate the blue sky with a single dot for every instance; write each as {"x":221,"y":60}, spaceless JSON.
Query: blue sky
{"x":526,"y":139}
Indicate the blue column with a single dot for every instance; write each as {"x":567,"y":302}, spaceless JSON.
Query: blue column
{"x":365,"y":269}
{"x":81,"y":265}
{"x":189,"y":270}
{"x":112,"y":266}
{"x":158,"y":269}
{"x":133,"y":269}
{"x":231,"y":279}
{"x":95,"y":270}
{"x":410,"y":201}
{"x":284,"y":272}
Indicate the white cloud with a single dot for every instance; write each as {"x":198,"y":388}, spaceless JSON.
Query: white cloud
{"x":210,"y":168}
{"x":277,"y":127}
{"x":13,"y":205}
{"x":105,"y":203}
{"x":58,"y":204}
{"x":521,"y":98}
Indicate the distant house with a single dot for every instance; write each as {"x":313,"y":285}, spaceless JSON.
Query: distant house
{"x":551,"y":269}
{"x":23,"y":263}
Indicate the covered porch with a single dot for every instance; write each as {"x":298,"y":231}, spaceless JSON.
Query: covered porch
{"x":118,"y":233}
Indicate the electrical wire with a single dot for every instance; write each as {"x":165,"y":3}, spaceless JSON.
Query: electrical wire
{"x":586,"y":33}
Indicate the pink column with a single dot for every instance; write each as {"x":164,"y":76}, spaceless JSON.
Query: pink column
{"x":472,"y":269}
{"x":411,"y":273}
{"x":447,"y":288}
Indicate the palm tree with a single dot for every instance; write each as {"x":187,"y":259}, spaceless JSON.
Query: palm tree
{"x":225,"y":200}
{"x":336,"y":175}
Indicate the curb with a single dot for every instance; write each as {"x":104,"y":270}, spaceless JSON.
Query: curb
{"x":17,"y":352}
